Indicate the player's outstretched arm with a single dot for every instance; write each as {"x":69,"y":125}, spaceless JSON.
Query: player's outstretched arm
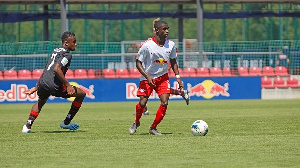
{"x":174,"y":66}
{"x":30,"y":91}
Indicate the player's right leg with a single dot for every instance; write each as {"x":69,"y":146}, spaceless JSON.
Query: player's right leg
{"x":145,"y":112}
{"x":139,"y":108}
{"x":144,"y":91}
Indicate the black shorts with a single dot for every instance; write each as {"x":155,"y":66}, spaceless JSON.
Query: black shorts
{"x":44,"y":93}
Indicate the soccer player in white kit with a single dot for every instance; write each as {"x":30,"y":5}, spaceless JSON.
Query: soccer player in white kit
{"x":152,"y":61}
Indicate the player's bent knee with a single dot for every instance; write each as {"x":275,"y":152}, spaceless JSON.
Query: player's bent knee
{"x":82,"y":96}
{"x":143,"y":104}
{"x":165,"y":104}
{"x":42,"y":100}
{"x":80,"y":93}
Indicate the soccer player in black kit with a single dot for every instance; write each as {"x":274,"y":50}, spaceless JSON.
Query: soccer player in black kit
{"x":53,"y":82}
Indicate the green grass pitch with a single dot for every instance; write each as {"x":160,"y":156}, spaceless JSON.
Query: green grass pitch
{"x":242,"y":133}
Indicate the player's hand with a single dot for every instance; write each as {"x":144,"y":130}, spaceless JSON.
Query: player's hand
{"x":151,"y":82}
{"x":71,"y":90}
{"x":30,"y":91}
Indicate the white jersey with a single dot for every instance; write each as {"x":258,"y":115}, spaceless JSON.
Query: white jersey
{"x":156,"y":59}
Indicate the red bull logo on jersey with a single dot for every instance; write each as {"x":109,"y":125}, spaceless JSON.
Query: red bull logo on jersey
{"x":89,"y":91}
{"x":208,"y":89}
{"x":161,"y":61}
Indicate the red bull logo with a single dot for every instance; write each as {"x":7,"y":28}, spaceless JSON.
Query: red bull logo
{"x":17,"y":93}
{"x":131,"y":90}
{"x":208,"y":89}
{"x":161,"y":61}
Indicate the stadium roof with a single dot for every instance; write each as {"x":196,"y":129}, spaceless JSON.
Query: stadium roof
{"x":144,"y":1}
{"x":63,"y":12}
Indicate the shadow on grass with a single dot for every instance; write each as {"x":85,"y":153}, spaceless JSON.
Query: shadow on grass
{"x":165,"y":133}
{"x":63,"y":131}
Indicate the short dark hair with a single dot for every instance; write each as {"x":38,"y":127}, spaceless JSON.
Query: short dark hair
{"x":66,"y":35}
{"x":158,"y":23}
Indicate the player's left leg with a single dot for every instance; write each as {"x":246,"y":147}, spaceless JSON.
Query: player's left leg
{"x":34,"y":113}
{"x":146,"y":112}
{"x":161,"y":112}
{"x":76,"y":104}
{"x":36,"y":108}
{"x":183,"y":93}
{"x":163,"y":90}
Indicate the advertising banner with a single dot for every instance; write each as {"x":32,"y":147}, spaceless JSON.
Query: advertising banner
{"x":116,"y":90}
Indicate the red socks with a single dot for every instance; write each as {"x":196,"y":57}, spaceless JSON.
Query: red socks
{"x":159,"y":115}
{"x":138,"y":113}
{"x":161,"y":112}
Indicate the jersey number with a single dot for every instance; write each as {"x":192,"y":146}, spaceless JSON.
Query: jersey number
{"x":53,"y":58}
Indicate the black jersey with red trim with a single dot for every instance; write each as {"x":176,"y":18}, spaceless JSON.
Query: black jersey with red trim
{"x":49,"y":80}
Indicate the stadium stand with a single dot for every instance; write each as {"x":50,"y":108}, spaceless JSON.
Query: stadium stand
{"x":215,"y":71}
{"x":36,"y":73}
{"x":24,"y":74}
{"x":134,"y":73}
{"x":202,"y":72}
{"x":266,"y":82}
{"x":70,"y":74}
{"x":122,"y":73}
{"x":292,"y":82}
{"x":279,"y":82}
{"x":281,"y":71}
{"x":91,"y":73}
{"x":10,"y":74}
{"x":189,"y":72}
{"x":227,"y":71}
{"x":268,"y":71}
{"x":1,"y":75}
{"x":243,"y":71}
{"x":255,"y":71}
{"x":108,"y":73}
{"x":80,"y":74}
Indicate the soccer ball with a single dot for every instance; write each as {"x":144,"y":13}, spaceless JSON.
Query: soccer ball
{"x":199,"y":128}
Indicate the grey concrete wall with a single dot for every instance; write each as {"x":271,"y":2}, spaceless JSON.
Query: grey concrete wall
{"x":287,"y":93}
